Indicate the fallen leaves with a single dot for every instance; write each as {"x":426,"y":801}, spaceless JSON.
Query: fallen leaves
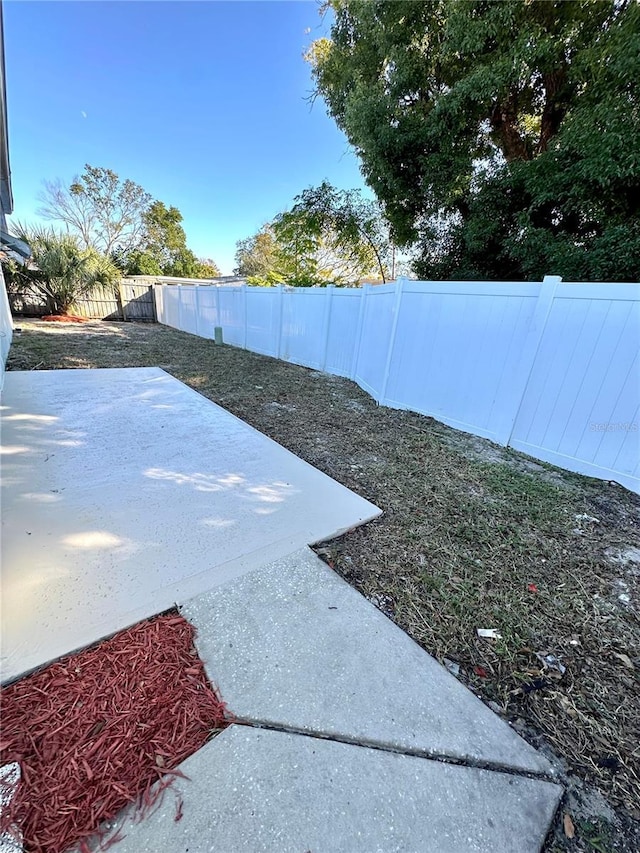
{"x":569,"y":829}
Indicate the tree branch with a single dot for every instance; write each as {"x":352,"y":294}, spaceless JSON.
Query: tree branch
{"x":504,"y":123}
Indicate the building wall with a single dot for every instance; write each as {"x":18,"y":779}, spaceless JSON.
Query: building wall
{"x":6,"y":327}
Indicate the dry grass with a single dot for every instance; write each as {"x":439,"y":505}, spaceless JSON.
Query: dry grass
{"x":467,"y":528}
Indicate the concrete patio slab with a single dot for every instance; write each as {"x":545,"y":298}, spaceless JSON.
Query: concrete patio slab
{"x":256,"y":790}
{"x":125,"y":491}
{"x":293,"y":646}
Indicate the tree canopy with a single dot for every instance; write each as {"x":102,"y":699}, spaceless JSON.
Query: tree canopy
{"x":280,"y":253}
{"x":501,"y":138}
{"x":350,"y":234}
{"x":105,"y":212}
{"x":123,"y":222}
{"x":258,"y":257}
{"x":329,"y":236}
{"x":163,"y":248}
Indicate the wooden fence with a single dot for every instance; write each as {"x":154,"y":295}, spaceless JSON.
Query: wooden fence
{"x":131,"y":300}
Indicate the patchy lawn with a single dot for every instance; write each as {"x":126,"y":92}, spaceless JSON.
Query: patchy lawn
{"x":472,"y":536}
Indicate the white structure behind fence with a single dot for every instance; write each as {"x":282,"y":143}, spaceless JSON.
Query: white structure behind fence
{"x":551,"y":369}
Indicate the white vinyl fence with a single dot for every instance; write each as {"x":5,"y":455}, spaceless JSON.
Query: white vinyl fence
{"x":551,"y":369}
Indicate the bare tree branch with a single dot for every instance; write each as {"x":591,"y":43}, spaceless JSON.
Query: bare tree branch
{"x":105,"y":212}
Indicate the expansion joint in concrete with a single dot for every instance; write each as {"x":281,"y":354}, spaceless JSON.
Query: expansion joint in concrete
{"x":442,"y":758}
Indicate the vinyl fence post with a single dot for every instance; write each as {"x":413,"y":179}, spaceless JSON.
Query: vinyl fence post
{"x":244,"y":311}
{"x":180,"y":309}
{"x":197,"y":304}
{"x":530,"y":349}
{"x":327,"y":325}
{"x":218,"y":320}
{"x":392,"y":340}
{"x":358,"y":336}
{"x":280,"y":310}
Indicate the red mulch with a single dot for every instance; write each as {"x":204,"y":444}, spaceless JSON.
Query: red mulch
{"x":94,"y":731}
{"x":64,"y":318}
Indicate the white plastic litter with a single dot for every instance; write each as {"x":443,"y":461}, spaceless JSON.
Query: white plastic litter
{"x":489,"y":633}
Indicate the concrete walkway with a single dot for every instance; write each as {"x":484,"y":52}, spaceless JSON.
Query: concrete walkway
{"x":348,"y":736}
{"x":292,"y":646}
{"x":125,"y":492}
{"x":256,"y":790}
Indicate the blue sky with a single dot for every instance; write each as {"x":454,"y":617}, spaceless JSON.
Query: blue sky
{"x":202,"y":103}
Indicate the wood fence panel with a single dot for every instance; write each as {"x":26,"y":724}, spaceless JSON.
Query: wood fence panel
{"x":138,"y":302}
{"x":98,"y":306}
{"x":131,"y":301}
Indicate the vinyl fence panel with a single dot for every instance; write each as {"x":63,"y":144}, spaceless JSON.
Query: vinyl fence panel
{"x":187,"y":309}
{"x":375,"y":334}
{"x":551,"y":369}
{"x":208,"y":315}
{"x":457,"y":351}
{"x":232,"y":316}
{"x":304,"y":314}
{"x":581,"y":406}
{"x":171,"y":307}
{"x":342,"y":330}
{"x":264,"y":311}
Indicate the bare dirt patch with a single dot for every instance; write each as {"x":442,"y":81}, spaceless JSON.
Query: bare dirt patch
{"x":473,"y":536}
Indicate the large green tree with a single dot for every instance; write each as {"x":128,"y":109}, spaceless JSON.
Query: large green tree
{"x":350,"y":234}
{"x":329,"y":236}
{"x":501,"y":137}
{"x":257,"y":256}
{"x":280,"y":253}
{"x":163,"y":248}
